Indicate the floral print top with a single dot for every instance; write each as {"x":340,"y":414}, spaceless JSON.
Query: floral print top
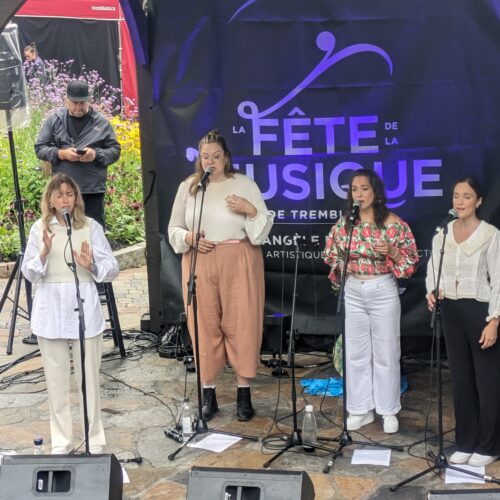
{"x":363,"y":259}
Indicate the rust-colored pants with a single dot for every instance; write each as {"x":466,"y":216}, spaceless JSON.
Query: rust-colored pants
{"x":230,"y":297}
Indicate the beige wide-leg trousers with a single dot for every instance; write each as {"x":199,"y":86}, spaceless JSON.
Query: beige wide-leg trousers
{"x":230,"y":295}
{"x":56,"y":364}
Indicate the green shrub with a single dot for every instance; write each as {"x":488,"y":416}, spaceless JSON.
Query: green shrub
{"x":124,"y":207}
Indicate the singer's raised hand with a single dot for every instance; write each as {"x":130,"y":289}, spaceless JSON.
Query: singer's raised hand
{"x":85,"y":258}
{"x":47,"y":245}
{"x":241,"y":205}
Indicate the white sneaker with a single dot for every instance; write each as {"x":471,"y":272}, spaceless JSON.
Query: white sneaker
{"x":478,"y":460}
{"x":459,"y":457}
{"x":355,"y":422}
{"x":391,"y":424}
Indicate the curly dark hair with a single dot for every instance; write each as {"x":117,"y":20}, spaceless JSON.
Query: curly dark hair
{"x":380,"y":209}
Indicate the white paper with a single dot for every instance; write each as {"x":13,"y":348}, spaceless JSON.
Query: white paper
{"x":126,"y":479}
{"x":215,"y":442}
{"x":454,"y":476}
{"x":371,"y":456}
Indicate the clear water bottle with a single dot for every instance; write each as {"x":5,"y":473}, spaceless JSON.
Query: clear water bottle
{"x":309,"y":429}
{"x":186,"y":420}
{"x":38,"y":446}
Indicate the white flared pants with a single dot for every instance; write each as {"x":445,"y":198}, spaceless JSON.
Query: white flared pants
{"x":373,"y":350}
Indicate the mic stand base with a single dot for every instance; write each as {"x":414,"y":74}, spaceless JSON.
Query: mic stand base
{"x":294,"y":440}
{"x":441,"y":463}
{"x":201,"y":428}
{"x":345,"y":439}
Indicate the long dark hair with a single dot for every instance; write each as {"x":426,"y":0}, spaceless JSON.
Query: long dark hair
{"x":380,"y":210}
{"x":212,"y":137}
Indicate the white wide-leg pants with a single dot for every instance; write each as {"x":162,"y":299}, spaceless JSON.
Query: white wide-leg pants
{"x":373,"y":349}
{"x":57,"y":366}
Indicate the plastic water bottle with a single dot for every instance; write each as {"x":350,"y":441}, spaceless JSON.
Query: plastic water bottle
{"x":38,"y":446}
{"x":186,"y":420}
{"x":309,"y":429}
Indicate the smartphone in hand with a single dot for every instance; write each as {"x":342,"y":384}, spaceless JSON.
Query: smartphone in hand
{"x":80,"y":152}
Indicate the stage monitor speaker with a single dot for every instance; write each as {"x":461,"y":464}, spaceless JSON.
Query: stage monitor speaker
{"x":79,"y":477}
{"x":486,"y":494}
{"x":246,"y":484}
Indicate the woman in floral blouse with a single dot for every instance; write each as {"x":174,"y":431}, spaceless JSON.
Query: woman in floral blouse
{"x":382,"y":249}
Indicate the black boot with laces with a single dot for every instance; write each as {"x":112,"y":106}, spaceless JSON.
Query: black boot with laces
{"x":244,"y":410}
{"x":209,"y":407}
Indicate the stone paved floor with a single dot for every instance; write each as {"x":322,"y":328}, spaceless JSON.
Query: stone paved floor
{"x":140,"y":394}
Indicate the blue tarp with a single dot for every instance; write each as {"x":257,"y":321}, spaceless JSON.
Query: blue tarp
{"x":333,"y":386}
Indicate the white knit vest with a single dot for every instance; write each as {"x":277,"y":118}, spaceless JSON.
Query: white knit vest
{"x":57,"y":269}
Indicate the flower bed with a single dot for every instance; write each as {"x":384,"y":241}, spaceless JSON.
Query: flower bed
{"x":124,"y":206}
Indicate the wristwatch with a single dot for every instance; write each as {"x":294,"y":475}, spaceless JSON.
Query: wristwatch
{"x":93,"y":269}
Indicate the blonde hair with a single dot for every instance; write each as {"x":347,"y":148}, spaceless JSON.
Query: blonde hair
{"x":212,"y":137}
{"x":48,"y":211}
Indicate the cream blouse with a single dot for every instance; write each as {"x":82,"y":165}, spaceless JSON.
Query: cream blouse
{"x":219,"y":223}
{"x":471,"y":269}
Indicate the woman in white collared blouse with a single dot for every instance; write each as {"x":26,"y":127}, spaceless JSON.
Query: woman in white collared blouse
{"x":470,"y":309}
{"x":54,"y":319}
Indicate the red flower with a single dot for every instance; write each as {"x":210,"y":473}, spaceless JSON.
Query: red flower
{"x":391,"y":232}
{"x":366,"y":232}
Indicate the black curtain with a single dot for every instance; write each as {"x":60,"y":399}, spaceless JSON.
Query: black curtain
{"x":92,"y":44}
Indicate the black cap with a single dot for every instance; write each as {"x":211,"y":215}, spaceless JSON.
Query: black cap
{"x":77,"y":91}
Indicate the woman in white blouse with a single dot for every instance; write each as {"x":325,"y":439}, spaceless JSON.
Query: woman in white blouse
{"x":470,"y":308}
{"x":54,"y":319}
{"x":229,"y":269}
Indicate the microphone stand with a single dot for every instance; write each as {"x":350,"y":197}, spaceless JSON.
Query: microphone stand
{"x":200,"y":424}
{"x":16,"y":270}
{"x":295,"y":438}
{"x":345,"y":439}
{"x":81,"y":332}
{"x":440,"y":462}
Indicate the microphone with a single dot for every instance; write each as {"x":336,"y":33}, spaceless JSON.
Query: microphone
{"x":452,"y":215}
{"x":204,"y":178}
{"x":174,"y":434}
{"x":355,"y":210}
{"x":67,"y":219}
{"x":135,"y":460}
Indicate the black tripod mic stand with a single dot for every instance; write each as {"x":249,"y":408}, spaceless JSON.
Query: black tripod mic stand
{"x":16,"y":273}
{"x":295,"y":438}
{"x":200,"y":425}
{"x":345,"y":439}
{"x":440,"y":462}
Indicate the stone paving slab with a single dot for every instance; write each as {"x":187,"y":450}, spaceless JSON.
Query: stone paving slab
{"x":141,"y":395}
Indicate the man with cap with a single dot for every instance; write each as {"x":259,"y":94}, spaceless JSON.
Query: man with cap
{"x":79,"y":141}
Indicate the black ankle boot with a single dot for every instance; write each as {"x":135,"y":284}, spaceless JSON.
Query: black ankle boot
{"x":244,"y":406}
{"x":209,"y":407}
